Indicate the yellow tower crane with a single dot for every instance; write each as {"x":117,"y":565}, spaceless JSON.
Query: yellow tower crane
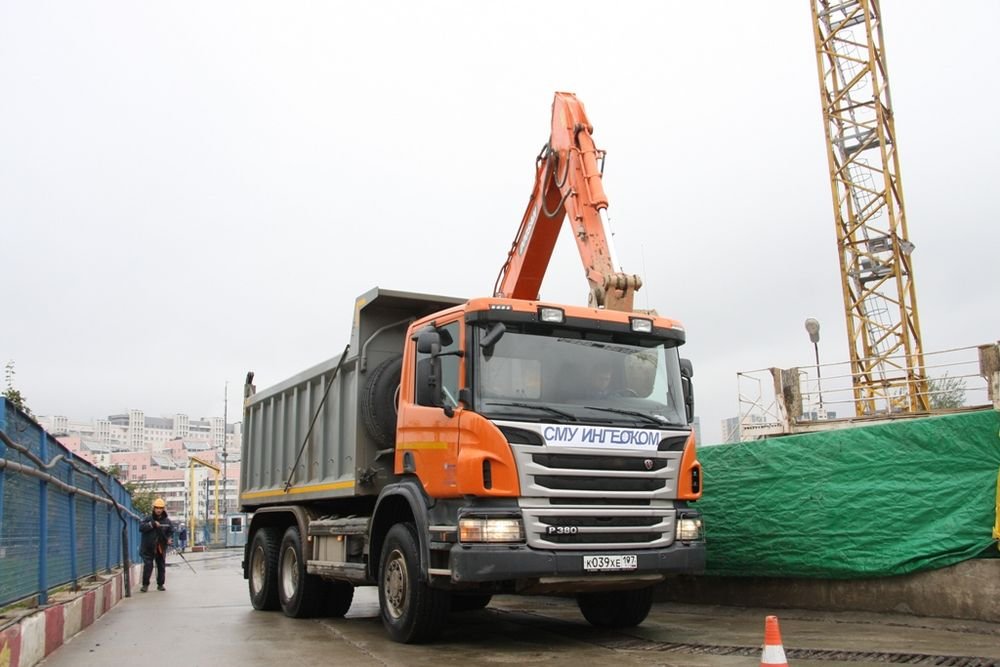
{"x":876,"y":267}
{"x":192,"y":489}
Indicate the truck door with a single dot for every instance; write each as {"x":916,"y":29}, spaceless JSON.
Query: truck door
{"x":426,"y":436}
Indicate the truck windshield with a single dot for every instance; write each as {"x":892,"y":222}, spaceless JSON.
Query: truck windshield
{"x":623,"y":380}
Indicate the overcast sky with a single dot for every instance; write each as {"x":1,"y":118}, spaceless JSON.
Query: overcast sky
{"x":189,"y":190}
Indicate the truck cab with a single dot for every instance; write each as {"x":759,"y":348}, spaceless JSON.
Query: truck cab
{"x":564,"y":432}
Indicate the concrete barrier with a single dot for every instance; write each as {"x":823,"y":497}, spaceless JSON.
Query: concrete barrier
{"x":969,"y":590}
{"x":29,"y":636}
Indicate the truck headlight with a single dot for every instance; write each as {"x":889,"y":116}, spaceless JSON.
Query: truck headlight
{"x":553,"y":315}
{"x":490,"y":529}
{"x":640,"y":325}
{"x":689,"y":529}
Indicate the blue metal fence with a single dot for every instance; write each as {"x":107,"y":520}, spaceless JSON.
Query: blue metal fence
{"x":58,"y":524}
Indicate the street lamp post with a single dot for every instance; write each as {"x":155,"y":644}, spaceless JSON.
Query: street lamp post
{"x":812,"y":327}
{"x":225,"y":454}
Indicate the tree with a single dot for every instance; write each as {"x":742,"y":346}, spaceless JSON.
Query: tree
{"x":142,"y":498}
{"x":10,"y":393}
{"x":946,"y":392}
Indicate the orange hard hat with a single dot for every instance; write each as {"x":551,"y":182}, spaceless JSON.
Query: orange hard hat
{"x":159,"y":503}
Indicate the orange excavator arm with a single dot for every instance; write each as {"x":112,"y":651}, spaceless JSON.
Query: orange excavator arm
{"x":567,"y":184}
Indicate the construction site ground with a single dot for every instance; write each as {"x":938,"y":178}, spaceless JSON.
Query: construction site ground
{"x":204,"y":618}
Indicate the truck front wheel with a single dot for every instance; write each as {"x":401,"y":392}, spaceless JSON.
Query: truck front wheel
{"x":300,"y":593}
{"x":616,"y":609}
{"x":411,"y":610}
{"x":263,"y":577}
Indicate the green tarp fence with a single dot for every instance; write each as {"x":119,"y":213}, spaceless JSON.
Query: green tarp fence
{"x":872,"y":501}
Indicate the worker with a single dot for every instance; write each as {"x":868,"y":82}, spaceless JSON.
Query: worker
{"x":599,"y":380}
{"x":157,"y":531}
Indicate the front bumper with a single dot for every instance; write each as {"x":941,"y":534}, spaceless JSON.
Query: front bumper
{"x":489,"y":563}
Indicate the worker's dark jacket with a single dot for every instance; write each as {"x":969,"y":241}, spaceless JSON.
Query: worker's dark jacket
{"x":153,"y":537}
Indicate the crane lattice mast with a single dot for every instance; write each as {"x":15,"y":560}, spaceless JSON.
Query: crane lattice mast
{"x":876,"y":267}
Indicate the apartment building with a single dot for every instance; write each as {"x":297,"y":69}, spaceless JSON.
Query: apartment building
{"x":136,"y":432}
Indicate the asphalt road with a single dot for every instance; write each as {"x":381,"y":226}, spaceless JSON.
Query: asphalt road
{"x":205,"y":618}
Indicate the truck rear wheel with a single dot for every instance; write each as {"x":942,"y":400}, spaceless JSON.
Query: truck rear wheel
{"x":616,"y":609}
{"x":379,"y":401}
{"x":263,"y":579}
{"x":300,"y":593}
{"x":411,"y":610}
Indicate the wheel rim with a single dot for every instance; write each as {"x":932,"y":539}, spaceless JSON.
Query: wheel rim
{"x":257,"y":569}
{"x":289,"y":573}
{"x":396,"y":584}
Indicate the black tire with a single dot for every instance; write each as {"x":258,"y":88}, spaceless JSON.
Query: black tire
{"x":263,"y":569}
{"x":379,"y":401}
{"x":470,"y":602}
{"x":337,"y":598}
{"x":411,"y":611}
{"x":300,"y":594}
{"x":616,"y":609}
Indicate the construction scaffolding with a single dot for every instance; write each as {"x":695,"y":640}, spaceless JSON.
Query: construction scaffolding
{"x":883,"y":326}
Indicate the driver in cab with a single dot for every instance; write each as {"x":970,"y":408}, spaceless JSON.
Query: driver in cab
{"x":599,"y":380}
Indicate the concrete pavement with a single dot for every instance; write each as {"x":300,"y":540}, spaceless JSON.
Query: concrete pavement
{"x":205,"y":618}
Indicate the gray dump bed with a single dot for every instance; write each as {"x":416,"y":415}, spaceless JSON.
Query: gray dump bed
{"x":339,"y":458}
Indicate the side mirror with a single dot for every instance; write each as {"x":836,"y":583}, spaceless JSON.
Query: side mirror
{"x":428,"y":341}
{"x":490,"y":338}
{"x":428,"y":384}
{"x":494,"y":334}
{"x":429,"y":388}
{"x":687,"y":372}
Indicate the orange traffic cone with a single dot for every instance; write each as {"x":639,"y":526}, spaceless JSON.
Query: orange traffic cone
{"x":773,"y":654}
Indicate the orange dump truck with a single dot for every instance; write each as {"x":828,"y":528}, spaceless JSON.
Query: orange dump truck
{"x":459,"y":449}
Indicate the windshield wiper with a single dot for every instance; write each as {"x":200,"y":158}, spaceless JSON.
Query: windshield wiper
{"x":533,"y":406}
{"x":659,"y":420}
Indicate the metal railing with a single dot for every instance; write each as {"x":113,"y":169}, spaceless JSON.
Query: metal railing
{"x":775,"y":401}
{"x":62,"y":519}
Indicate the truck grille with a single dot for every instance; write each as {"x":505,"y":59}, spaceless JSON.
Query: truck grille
{"x":579,"y":498}
{"x":636,"y":539}
{"x":586,"y":462}
{"x":598,"y":483}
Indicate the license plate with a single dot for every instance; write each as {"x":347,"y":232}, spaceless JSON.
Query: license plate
{"x":608,"y":563}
